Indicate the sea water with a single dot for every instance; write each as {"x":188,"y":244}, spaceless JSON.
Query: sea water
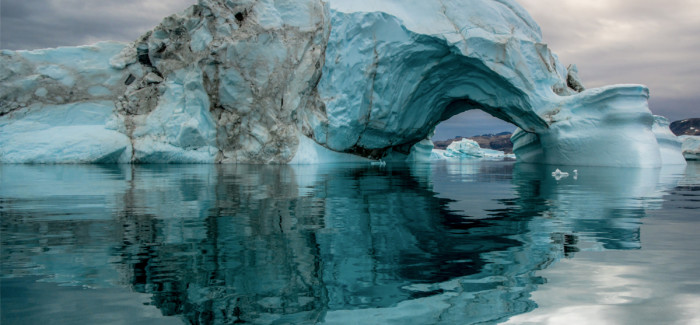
{"x":475,"y":242}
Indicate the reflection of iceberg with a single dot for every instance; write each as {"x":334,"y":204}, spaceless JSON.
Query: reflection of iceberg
{"x":314,"y":244}
{"x":692,"y":175}
{"x":604,"y":205}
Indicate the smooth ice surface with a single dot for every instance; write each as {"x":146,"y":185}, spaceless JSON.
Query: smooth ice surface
{"x":69,"y":133}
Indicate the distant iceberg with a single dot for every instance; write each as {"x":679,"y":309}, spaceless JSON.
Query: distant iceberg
{"x":254,"y":82}
{"x":691,"y":146}
{"x":467,"y":149}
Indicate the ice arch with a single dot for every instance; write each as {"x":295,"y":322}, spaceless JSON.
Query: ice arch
{"x":395,"y":69}
{"x":386,"y":86}
{"x":391,"y":87}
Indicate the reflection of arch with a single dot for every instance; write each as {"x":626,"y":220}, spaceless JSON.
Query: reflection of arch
{"x":322,"y":242}
{"x":259,"y":249}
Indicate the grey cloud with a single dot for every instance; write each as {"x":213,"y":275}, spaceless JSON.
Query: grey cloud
{"x":650,"y":42}
{"x":44,"y":23}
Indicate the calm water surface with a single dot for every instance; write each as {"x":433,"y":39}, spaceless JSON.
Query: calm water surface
{"x":470,"y":243}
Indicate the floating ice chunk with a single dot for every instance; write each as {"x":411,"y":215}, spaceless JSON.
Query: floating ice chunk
{"x":558,"y":174}
{"x":379,"y":163}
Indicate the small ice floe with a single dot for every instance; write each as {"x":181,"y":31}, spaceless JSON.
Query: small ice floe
{"x":558,"y":174}
{"x":379,"y":163}
{"x":575,"y":174}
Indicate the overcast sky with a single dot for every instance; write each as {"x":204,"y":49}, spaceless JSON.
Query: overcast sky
{"x":652,"y":42}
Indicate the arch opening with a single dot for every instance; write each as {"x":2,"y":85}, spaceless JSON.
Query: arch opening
{"x":474,"y":118}
{"x":476,"y":124}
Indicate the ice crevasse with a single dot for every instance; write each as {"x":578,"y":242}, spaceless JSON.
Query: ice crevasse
{"x":308,"y":81}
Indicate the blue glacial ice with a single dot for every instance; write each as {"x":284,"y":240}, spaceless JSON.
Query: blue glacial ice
{"x":306,"y":81}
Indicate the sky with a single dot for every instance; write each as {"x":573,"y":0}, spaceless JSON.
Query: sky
{"x":650,"y":42}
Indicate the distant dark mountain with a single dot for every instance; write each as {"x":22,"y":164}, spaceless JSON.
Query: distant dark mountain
{"x":689,"y":126}
{"x":500,"y":141}
{"x":491,"y":134}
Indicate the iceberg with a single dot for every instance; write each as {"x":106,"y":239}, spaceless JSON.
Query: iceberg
{"x":467,"y":149}
{"x":254,"y":81}
{"x":691,"y":146}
